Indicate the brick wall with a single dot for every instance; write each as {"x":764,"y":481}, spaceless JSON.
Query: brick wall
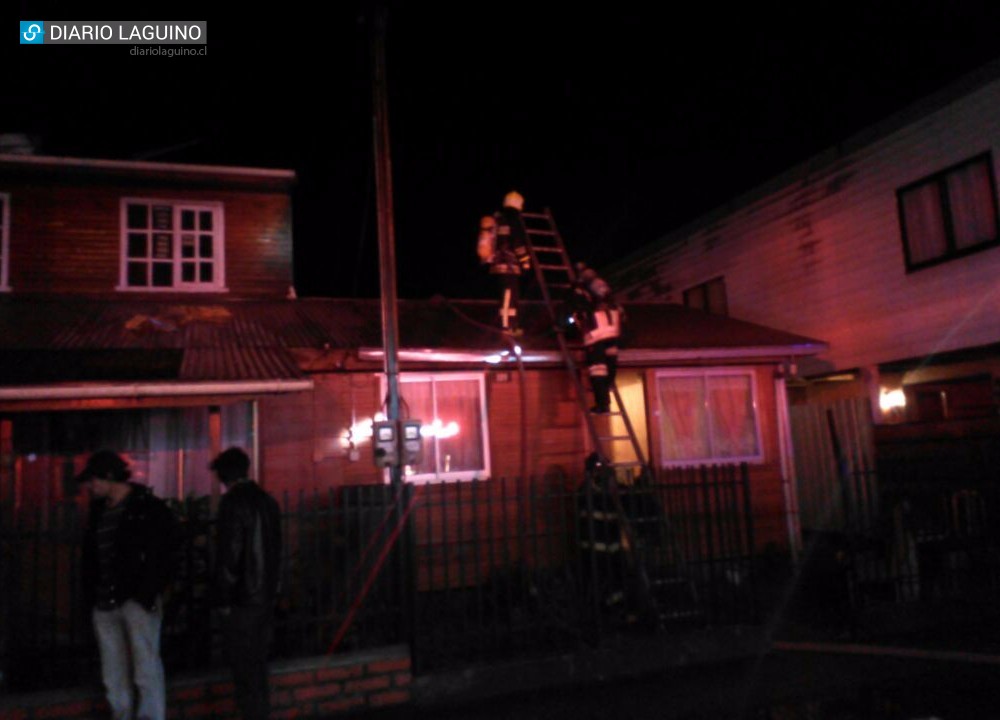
{"x":299,"y":689}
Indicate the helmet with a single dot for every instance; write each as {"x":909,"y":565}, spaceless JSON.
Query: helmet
{"x":592,"y":462}
{"x":513,"y":199}
{"x":599,"y":288}
{"x":487,"y":223}
{"x":588,"y":275}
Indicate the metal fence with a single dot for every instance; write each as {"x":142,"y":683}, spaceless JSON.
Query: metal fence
{"x":482,"y":570}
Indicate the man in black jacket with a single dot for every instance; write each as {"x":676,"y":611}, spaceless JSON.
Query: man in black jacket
{"x":247,"y":578}
{"x":129,"y":554}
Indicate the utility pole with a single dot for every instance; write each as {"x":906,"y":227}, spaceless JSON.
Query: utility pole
{"x":386,"y":230}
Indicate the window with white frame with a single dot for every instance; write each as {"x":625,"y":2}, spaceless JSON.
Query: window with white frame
{"x":171,"y":245}
{"x":708,"y":416}
{"x":949,"y":214}
{"x":4,"y":241}
{"x":452,"y":411}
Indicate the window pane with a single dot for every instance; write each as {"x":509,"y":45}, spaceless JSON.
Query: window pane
{"x":136,"y":245}
{"x":716,"y":292}
{"x":138,"y":216}
{"x":136,"y":275}
{"x":419,"y":403}
{"x":925,"y":233}
{"x":163,"y":274}
{"x":683,"y":418}
{"x":163,"y":217}
{"x":205,"y":274}
{"x":205,"y":220}
{"x":187,"y":272}
{"x":187,"y":246}
{"x":730,"y":401}
{"x":973,"y":212}
{"x":187,"y":220}
{"x":163,"y":246}
{"x":205,"y":246}
{"x":460,"y":441}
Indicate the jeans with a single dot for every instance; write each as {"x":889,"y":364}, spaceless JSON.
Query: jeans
{"x":247,"y":633}
{"x":129,"y":640}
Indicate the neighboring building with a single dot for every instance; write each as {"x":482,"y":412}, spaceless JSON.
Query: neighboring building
{"x":147,"y":309}
{"x":887,"y":247}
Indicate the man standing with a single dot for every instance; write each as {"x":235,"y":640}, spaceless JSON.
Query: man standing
{"x":128,"y":560}
{"x":248,"y":558}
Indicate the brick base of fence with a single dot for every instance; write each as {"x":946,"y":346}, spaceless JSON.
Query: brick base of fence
{"x":299,"y":689}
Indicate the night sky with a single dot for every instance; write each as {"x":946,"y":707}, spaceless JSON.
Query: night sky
{"x":627,"y":123}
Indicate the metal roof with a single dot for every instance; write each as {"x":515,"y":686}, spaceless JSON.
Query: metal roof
{"x":53,"y":339}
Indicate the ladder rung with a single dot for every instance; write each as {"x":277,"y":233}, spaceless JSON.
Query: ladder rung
{"x":546,"y":248}
{"x":560,"y":286}
{"x":535,"y":215}
{"x":536,"y":231}
{"x":615,"y":437}
{"x":542,"y":266}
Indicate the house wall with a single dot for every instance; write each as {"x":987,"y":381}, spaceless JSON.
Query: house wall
{"x":767,"y":486}
{"x":821,"y":254}
{"x":302,"y":448}
{"x":66,"y":237}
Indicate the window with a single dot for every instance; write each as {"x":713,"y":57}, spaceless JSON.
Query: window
{"x":709,"y":296}
{"x":452,"y":408}
{"x":4,"y":241}
{"x":950,"y":214}
{"x":171,"y":245}
{"x":708,"y":416}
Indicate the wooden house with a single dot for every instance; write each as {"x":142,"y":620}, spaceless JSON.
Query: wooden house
{"x":146,"y":307}
{"x":888,"y":247}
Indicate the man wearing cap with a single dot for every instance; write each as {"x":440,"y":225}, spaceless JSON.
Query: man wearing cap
{"x":247,"y":578}
{"x":128,"y":561}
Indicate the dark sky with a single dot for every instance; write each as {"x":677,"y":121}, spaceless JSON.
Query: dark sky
{"x":627,"y":122}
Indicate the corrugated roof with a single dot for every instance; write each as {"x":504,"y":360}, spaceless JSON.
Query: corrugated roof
{"x":233,"y":340}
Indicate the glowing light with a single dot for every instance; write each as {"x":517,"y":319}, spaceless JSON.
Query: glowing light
{"x":360,"y":431}
{"x":440,"y":430}
{"x":517,"y":350}
{"x":891,"y":399}
{"x":493,"y":359}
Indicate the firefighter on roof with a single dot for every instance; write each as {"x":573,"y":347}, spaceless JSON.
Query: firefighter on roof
{"x":502,"y":246}
{"x":600,"y":321}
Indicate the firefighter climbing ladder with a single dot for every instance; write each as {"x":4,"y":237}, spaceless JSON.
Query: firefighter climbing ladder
{"x":554,"y":271}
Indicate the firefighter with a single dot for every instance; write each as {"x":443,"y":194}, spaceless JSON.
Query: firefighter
{"x":504,"y":265}
{"x":600,"y":321}
{"x":510,"y":229}
{"x":600,"y":532}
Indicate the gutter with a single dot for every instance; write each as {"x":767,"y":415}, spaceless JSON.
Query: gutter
{"x":152,"y":389}
{"x":638,"y":356}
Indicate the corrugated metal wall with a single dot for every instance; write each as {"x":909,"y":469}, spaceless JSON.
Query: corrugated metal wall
{"x":835,"y":464}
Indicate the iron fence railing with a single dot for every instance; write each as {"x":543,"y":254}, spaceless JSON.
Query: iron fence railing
{"x":481,"y":570}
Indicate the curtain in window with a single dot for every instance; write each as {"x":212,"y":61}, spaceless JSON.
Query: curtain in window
{"x":450,"y":411}
{"x":460,"y":446}
{"x":707,"y":417}
{"x":970,"y":197}
{"x":730,"y":400}
{"x":683,"y":417}
{"x":925,"y":233}
{"x":419,"y":397}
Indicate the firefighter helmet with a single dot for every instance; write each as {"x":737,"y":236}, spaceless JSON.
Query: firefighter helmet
{"x":513,"y":199}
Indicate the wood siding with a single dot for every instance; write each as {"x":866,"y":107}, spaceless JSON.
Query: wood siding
{"x":822,"y":255}
{"x":301,"y":439}
{"x":66,"y":238}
